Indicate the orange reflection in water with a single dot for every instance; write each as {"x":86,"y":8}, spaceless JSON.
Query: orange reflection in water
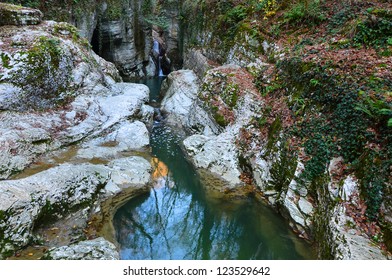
{"x":160,"y":173}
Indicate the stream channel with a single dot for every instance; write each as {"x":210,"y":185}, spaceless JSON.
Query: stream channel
{"x":179,"y":220}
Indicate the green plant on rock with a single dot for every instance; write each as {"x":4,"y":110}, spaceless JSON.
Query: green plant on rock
{"x":25,"y":3}
{"x":230,"y":21}
{"x":45,"y":74}
{"x":268,"y":7}
{"x":283,"y":169}
{"x":220,"y":119}
{"x":378,"y":110}
{"x":5,"y":60}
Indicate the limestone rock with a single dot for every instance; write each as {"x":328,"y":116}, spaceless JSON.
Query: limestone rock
{"x":51,"y":65}
{"x":96,"y":249}
{"x":130,"y":171}
{"x":217,"y":154}
{"x":261,"y":172}
{"x":126,"y":41}
{"x":293,"y":209}
{"x":127,"y":137}
{"x":305,"y":206}
{"x":17,"y":15}
{"x":25,"y":136}
{"x":146,"y":114}
{"x":51,"y":193}
{"x":196,"y":61}
{"x":347,"y":244}
{"x":199,"y":121}
{"x":180,"y":92}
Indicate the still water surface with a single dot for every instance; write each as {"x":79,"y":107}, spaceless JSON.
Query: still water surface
{"x":178,"y":220}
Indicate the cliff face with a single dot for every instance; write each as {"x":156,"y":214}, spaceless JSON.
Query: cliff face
{"x":124,"y":38}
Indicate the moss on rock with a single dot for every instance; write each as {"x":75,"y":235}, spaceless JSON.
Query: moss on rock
{"x":18,"y":15}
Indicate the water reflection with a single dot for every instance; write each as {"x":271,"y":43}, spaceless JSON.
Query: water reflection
{"x":177,"y":221}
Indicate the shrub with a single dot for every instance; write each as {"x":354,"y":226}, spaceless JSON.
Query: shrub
{"x":305,"y":12}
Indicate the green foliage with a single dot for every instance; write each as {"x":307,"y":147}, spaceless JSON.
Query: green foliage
{"x":25,"y":3}
{"x":305,"y":11}
{"x":375,"y":30}
{"x":220,"y":120}
{"x":282,"y":170}
{"x":5,"y":60}
{"x":340,"y":125}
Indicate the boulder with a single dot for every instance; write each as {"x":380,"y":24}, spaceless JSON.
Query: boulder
{"x":216,"y":154}
{"x":26,"y":136}
{"x":96,"y":249}
{"x":180,"y":92}
{"x":127,"y":137}
{"x":25,"y":203}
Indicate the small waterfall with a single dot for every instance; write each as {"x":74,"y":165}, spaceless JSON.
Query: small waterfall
{"x":156,"y":48}
{"x":160,"y":73}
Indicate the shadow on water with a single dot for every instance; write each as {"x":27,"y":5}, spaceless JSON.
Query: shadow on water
{"x":177,"y":220}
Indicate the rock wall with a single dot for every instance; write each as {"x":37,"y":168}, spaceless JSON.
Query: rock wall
{"x":124,"y":38}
